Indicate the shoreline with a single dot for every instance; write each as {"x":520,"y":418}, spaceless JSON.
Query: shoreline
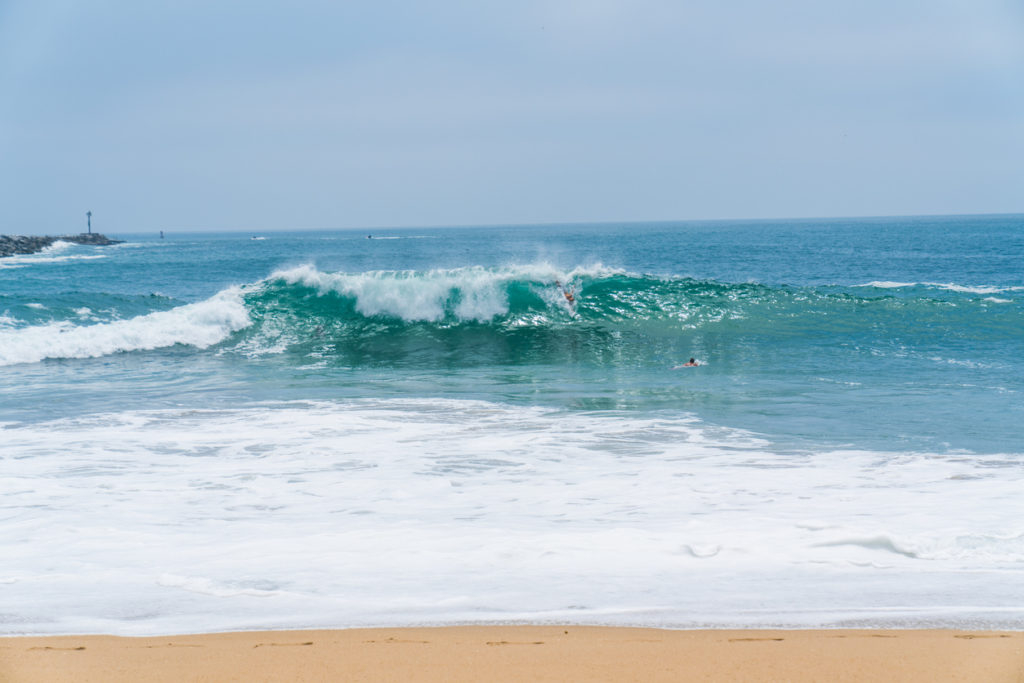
{"x":514,"y":653}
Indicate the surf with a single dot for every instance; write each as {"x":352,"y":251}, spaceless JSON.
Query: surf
{"x":199,"y":325}
{"x":509,"y":314}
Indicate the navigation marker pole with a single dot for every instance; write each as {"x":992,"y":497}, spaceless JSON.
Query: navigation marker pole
{"x":88,"y":216}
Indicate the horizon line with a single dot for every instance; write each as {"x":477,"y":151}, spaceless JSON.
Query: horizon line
{"x":459,"y":226}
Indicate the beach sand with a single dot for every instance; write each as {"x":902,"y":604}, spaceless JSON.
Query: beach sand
{"x":521,"y":653}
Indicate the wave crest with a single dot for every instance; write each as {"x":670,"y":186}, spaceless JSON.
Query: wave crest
{"x":473,"y":293}
{"x":515,"y":313}
{"x":200,"y":324}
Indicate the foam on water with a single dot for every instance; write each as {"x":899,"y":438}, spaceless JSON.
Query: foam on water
{"x":444,"y":511}
{"x":876,"y":480}
{"x":608,"y":301}
{"x":884,"y":284}
{"x":473,"y":293}
{"x":200,"y":324}
{"x":948,"y":286}
{"x":55,"y":253}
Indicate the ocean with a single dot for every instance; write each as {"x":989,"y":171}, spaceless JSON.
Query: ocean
{"x":234,"y":431}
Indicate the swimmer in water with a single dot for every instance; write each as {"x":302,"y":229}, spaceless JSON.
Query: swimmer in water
{"x":567,"y":292}
{"x":692,"y":363}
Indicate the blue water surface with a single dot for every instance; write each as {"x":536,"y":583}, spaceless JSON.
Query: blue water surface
{"x":893,"y":334}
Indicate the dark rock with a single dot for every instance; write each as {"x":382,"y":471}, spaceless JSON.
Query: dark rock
{"x":20,"y":244}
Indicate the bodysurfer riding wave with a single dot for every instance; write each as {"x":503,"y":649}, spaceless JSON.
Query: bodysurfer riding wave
{"x":568,"y":293}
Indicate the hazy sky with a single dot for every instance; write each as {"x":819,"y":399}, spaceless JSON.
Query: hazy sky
{"x":284,"y":115}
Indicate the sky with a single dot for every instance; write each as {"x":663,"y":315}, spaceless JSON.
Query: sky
{"x":214,"y":115}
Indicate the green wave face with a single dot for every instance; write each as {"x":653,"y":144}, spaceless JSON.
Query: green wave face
{"x":521,"y":315}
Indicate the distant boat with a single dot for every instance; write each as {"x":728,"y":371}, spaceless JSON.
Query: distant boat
{"x":254,"y":237}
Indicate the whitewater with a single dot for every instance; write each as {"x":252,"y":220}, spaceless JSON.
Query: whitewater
{"x":212,"y":432}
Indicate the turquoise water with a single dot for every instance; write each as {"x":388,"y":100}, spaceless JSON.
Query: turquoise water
{"x":372,"y":405}
{"x":902,"y":333}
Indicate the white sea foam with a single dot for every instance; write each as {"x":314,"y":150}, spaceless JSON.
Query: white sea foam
{"x":36,"y":306}
{"x":57,"y":247}
{"x":428,"y":295}
{"x":970,"y":289}
{"x":961,"y":362}
{"x":22,"y":260}
{"x":200,"y":324}
{"x":207,"y":587}
{"x":884,"y":284}
{"x":948,"y":286}
{"x":54,"y":253}
{"x":386,"y":512}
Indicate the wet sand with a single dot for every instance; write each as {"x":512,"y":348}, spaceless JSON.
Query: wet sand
{"x":520,"y":653}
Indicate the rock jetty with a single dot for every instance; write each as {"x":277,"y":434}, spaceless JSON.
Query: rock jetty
{"x":19,"y":244}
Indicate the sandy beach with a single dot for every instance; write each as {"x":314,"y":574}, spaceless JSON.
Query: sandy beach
{"x":521,"y":653}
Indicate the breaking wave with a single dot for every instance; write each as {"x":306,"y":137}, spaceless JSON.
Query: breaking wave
{"x":200,"y":325}
{"x":514,"y":314}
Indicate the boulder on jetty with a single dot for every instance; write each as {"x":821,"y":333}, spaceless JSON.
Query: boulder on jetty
{"x":20,"y":244}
